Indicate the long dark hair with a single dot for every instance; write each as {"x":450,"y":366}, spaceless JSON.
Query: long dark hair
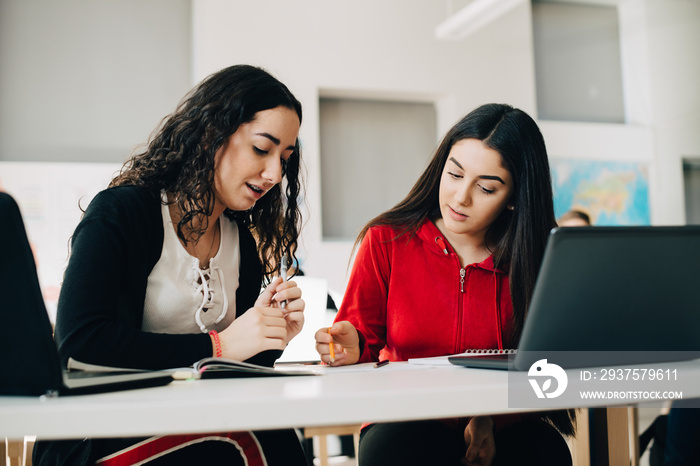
{"x":180,"y":159}
{"x":517,"y":238}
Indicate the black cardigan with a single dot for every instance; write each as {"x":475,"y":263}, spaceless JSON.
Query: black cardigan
{"x":100,"y":309}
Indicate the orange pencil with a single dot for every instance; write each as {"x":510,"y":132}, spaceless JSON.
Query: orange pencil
{"x":331,"y":346}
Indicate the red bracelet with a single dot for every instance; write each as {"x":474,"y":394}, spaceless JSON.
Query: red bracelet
{"x":217,"y":343}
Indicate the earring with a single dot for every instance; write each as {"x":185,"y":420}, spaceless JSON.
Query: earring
{"x":511,"y":207}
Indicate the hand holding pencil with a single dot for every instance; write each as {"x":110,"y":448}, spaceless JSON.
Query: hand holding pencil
{"x":331,"y":347}
{"x":339,"y":344}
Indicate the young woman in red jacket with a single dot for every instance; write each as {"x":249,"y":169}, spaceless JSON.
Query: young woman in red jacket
{"x":452,"y":267}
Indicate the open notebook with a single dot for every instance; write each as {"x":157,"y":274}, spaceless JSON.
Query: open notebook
{"x":611,"y":296}
{"x":28,"y":353}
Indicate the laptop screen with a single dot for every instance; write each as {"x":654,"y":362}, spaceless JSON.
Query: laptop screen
{"x":29,"y":356}
{"x":617,"y":289}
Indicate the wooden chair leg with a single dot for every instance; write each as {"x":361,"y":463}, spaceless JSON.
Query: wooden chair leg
{"x":618,"y":436}
{"x":14,"y":449}
{"x":356,"y":438}
{"x":581,"y":445}
{"x":323,"y":449}
{"x":322,"y":432}
{"x":633,"y":416}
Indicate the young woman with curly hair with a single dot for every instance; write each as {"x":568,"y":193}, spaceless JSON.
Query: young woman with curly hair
{"x":452,"y":267}
{"x":167,"y":264}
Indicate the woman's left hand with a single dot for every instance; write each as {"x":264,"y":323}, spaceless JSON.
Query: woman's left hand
{"x":478,"y":437}
{"x":280,"y":291}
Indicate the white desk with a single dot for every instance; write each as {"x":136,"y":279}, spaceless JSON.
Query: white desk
{"x":395,"y":392}
{"x":384,"y":394}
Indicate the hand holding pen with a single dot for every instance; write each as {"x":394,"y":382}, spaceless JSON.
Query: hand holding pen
{"x":289,"y":299}
{"x":283,"y":274}
{"x":265,"y":326}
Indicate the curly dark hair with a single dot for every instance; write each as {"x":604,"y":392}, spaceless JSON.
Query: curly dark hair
{"x":180,"y":159}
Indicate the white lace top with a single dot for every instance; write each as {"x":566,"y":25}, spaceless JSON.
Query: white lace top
{"x":182,"y":298}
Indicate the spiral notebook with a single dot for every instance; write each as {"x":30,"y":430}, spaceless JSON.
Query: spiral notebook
{"x":471,"y":353}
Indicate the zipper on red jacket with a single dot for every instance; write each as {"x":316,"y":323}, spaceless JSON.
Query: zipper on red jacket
{"x":460,"y":308}
{"x":442,"y":245}
{"x":462,"y":273}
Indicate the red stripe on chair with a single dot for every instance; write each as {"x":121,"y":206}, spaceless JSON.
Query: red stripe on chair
{"x":155,"y":447}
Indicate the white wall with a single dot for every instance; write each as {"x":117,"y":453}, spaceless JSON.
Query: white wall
{"x":673,"y":34}
{"x":660,"y":41}
{"x":81,"y":81}
{"x":87,"y":81}
{"x":387,"y":48}
{"x":364,"y":48}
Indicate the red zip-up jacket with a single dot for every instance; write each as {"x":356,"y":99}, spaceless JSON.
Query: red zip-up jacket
{"x":410,"y":298}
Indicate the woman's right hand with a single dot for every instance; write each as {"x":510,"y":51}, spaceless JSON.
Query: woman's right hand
{"x":260,"y":328}
{"x":346,"y":343}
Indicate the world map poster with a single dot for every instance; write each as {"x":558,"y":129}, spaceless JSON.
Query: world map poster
{"x":613,"y":193}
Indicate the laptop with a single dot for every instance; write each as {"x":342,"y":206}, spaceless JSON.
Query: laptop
{"x":611,"y":296}
{"x":28,"y":354}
